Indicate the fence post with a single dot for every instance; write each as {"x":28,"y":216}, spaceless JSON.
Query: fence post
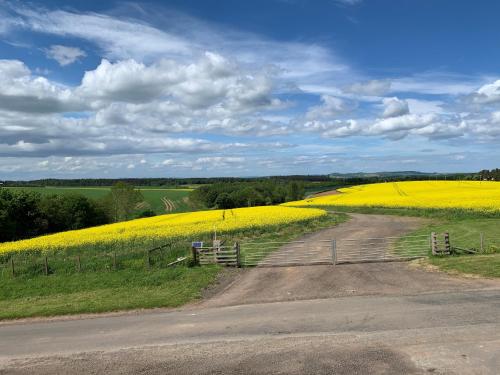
{"x":195,"y":255}
{"x":114,"y":260}
{"x":78,"y":263}
{"x":447,"y":246}
{"x":238,"y":254}
{"x":434,"y":244}
{"x":46,"y":266}
{"x":12,"y":266}
{"x":481,"y":237}
{"x":334,"y":251}
{"x":148,"y":260}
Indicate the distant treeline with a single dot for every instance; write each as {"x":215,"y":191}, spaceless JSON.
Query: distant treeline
{"x":248,"y":194}
{"x":494,"y":174}
{"x":347,"y":179}
{"x":154,"y":181}
{"x":26,"y":214}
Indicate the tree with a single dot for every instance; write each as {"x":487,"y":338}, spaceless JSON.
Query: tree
{"x":71,"y":211}
{"x":224,"y":201}
{"x":20,"y":215}
{"x":121,"y":201}
{"x":296,"y":191}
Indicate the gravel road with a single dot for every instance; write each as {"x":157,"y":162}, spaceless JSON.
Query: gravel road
{"x":445,"y":333}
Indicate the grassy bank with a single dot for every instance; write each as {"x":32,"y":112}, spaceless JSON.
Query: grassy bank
{"x":479,"y":234}
{"x":481,"y":265}
{"x":100,"y":288}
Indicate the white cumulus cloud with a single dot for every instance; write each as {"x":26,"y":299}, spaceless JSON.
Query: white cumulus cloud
{"x":64,"y":55}
{"x":395,"y":107}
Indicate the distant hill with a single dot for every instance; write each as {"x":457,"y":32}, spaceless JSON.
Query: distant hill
{"x":385,"y":174}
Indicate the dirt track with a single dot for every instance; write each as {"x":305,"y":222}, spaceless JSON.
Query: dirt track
{"x":326,"y":193}
{"x":312,"y":282}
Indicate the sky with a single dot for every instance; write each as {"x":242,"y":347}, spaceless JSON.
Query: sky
{"x":198,"y":88}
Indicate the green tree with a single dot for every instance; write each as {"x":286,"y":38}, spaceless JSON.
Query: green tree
{"x":224,"y":201}
{"x":71,"y":211}
{"x":296,"y":191}
{"x":122,"y":200}
{"x":20,"y":216}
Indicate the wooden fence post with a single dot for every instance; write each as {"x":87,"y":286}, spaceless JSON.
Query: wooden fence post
{"x":148,"y":260}
{"x":334,"y":251}
{"x":12,"y":266}
{"x":434,"y":245}
{"x":46,"y":266}
{"x":114,"y":260}
{"x":481,"y":237}
{"x":447,"y":246}
{"x":194,"y":251}
{"x":78,"y":264}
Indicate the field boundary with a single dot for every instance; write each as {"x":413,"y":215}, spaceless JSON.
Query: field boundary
{"x":439,"y":213}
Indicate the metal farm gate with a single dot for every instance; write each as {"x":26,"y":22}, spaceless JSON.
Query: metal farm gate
{"x":293,"y":253}
{"x":305,"y":253}
{"x":358,"y":250}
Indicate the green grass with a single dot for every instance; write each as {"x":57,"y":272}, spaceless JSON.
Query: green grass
{"x":152,"y":196}
{"x":101,"y":288}
{"x":482,"y":265}
{"x":104,"y":291}
{"x":466,"y":234}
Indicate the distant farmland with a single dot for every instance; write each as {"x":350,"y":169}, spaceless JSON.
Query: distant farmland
{"x":159,"y":200}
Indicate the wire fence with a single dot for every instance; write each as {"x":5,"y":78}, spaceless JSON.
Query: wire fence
{"x":477,"y":242}
{"x":32,"y":263}
{"x":104,"y":259}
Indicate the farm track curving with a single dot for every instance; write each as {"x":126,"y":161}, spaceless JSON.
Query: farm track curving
{"x":169,"y":204}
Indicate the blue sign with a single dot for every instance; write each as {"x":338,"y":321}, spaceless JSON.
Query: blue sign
{"x":197,"y":244}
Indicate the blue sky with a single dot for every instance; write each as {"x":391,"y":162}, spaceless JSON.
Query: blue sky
{"x":233,"y":88}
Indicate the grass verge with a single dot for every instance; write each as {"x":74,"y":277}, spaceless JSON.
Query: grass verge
{"x":480,"y":234}
{"x":481,"y":265}
{"x":132,"y":287}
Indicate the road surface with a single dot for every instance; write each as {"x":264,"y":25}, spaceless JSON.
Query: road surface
{"x":455,"y":332}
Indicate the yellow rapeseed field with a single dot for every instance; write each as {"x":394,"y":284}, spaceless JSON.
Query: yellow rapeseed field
{"x":189,"y":226}
{"x":473,"y":195}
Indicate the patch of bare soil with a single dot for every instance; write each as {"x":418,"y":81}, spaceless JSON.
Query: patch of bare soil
{"x":326,"y":193}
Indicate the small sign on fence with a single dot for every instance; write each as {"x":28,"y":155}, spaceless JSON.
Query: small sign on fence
{"x":197,"y":244}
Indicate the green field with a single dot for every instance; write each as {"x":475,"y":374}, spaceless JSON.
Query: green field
{"x":154,"y":198}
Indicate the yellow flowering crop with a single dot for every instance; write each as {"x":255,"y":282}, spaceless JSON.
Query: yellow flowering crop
{"x":473,"y":195}
{"x":164,"y":228}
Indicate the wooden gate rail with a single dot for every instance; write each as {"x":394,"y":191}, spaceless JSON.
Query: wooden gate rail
{"x":226,"y":255}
